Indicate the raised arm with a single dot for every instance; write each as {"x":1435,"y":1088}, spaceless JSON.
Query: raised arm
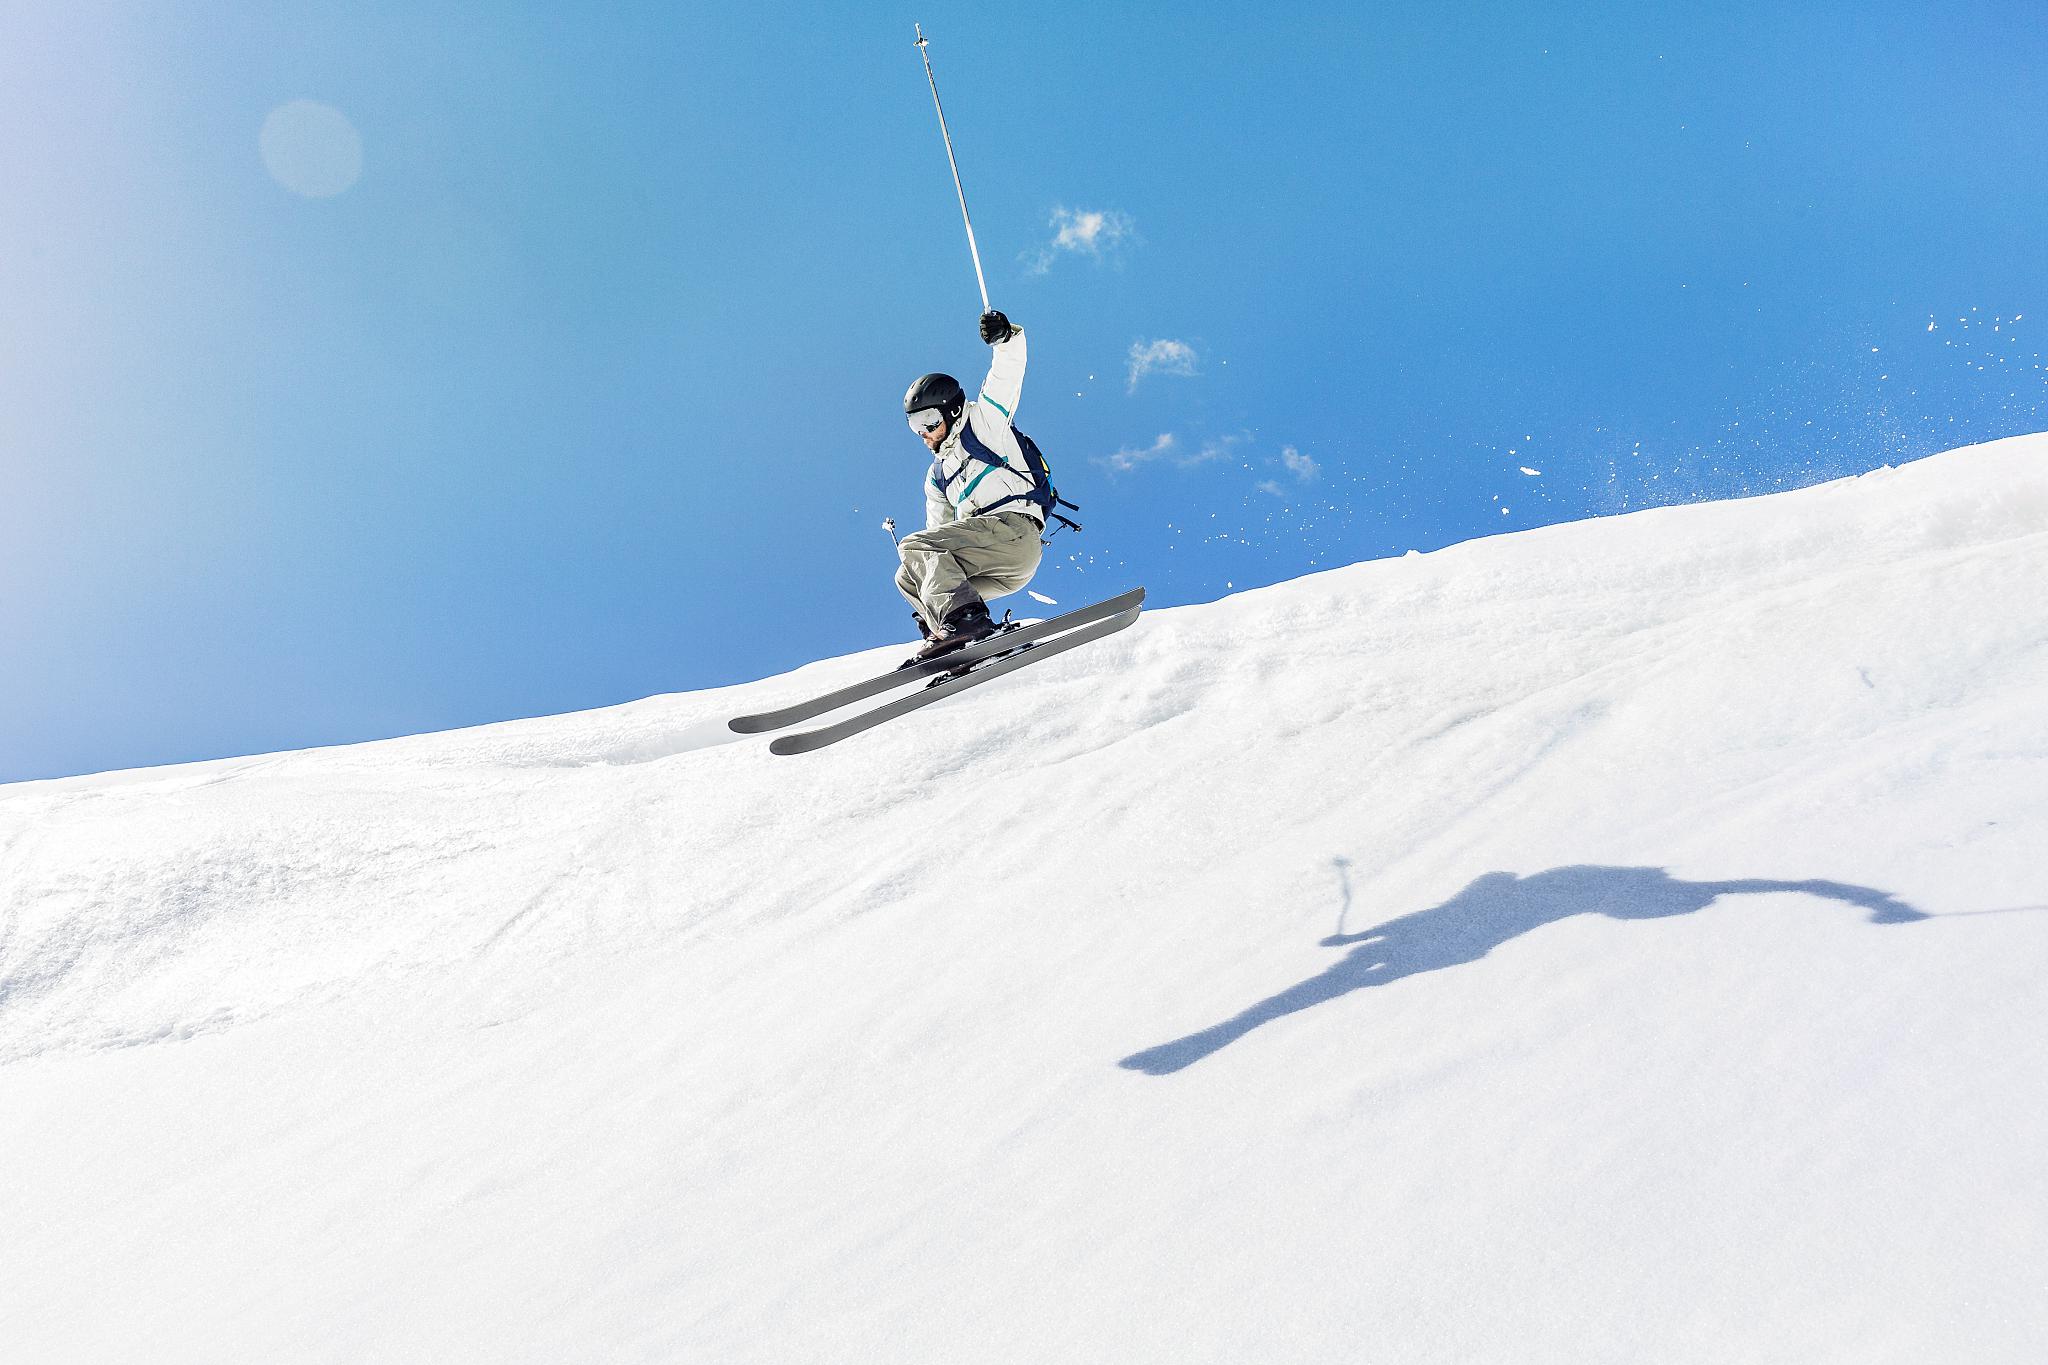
{"x":1005,"y":382}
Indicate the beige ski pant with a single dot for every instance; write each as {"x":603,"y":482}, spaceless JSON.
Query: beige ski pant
{"x":977,"y":558}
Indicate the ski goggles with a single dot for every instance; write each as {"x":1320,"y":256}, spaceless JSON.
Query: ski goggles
{"x":927,"y":420}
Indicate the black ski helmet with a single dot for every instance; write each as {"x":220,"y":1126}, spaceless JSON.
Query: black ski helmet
{"x":941,"y":391}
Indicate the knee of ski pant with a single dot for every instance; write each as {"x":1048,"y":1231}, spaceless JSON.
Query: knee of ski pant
{"x":998,"y":585}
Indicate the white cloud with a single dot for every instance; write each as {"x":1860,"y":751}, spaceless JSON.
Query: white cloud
{"x":1160,"y":357}
{"x":1090,"y":232}
{"x":1095,"y":233}
{"x":1169,"y":448}
{"x":1298,"y":464}
{"x":1302,"y":467}
{"x":1127,"y":459}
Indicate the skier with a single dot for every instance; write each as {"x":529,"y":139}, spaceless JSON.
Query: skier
{"x":987,"y":502}
{"x":982,"y":528}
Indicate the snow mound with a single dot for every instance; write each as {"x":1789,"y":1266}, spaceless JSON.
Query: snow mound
{"x":1615,"y":941}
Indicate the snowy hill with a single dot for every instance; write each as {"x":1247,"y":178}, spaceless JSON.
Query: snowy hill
{"x":1622,"y":941}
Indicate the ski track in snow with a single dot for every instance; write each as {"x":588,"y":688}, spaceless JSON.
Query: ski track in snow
{"x":1614,"y":941}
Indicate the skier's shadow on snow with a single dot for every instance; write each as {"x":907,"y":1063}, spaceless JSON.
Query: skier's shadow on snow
{"x":1497,"y":907}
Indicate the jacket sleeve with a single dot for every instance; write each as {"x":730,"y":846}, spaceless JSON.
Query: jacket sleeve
{"x":1005,"y":382}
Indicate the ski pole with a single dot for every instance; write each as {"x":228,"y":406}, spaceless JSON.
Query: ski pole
{"x":889,"y":525}
{"x":971,"y":247}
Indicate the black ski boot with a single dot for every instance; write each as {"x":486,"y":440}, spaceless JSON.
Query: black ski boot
{"x":963,"y":627}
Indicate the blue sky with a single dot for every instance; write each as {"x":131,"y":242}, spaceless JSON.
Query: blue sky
{"x":563,"y":368}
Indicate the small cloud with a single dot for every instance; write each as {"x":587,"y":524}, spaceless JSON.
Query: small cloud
{"x":1160,"y":357}
{"x":1170,"y":449}
{"x":1127,"y":459}
{"x":1095,"y":233}
{"x":1089,"y":233}
{"x":1302,"y":467}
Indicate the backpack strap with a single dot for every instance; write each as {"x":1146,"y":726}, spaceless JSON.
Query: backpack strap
{"x":976,"y":449}
{"x":1042,"y":494}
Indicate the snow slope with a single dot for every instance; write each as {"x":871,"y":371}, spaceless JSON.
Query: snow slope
{"x":1621,"y":941}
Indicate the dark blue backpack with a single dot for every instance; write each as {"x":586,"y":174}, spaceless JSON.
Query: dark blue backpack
{"x":1042,"y":495}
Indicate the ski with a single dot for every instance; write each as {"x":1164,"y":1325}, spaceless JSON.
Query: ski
{"x":946,"y":663}
{"x":984,"y":671}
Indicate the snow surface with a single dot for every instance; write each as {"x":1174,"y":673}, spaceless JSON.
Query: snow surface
{"x":1614,"y":942}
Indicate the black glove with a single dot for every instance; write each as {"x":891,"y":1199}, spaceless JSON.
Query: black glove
{"x":995,"y":327}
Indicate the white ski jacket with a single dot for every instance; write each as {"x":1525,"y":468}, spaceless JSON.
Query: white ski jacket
{"x":961,"y":486}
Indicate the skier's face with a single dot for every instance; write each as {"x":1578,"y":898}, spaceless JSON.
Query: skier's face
{"x":931,"y":426}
